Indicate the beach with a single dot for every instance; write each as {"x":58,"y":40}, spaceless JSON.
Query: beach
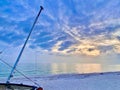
{"x":92,"y":81}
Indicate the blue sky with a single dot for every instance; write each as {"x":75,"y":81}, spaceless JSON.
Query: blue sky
{"x":67,"y":30}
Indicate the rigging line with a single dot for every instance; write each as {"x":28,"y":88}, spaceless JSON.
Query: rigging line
{"x":0,"y":52}
{"x":20,"y":54}
{"x":20,"y":73}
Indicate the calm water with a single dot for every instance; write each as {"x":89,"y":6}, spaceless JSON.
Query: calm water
{"x":37,"y":69}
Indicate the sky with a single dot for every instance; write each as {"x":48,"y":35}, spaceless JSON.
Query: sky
{"x":84,"y":31}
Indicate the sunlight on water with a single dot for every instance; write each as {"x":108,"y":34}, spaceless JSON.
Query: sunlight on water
{"x":88,"y":68}
{"x":75,"y":68}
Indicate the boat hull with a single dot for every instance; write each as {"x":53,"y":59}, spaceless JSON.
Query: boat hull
{"x":13,"y":86}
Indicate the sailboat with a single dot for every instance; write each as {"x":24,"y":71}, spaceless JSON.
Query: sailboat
{"x":16,"y":86}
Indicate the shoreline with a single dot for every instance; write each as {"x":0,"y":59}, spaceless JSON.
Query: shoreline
{"x":91,"y":81}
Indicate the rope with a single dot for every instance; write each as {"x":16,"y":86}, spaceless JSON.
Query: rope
{"x":20,"y":73}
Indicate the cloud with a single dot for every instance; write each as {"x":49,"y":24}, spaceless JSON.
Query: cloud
{"x":72,"y":27}
{"x":117,"y":48}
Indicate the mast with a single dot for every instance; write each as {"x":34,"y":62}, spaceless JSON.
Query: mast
{"x":19,"y":56}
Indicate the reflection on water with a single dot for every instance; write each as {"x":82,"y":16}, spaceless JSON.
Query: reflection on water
{"x":33,"y":69}
{"x":59,"y":68}
{"x":88,"y":68}
{"x":75,"y":68}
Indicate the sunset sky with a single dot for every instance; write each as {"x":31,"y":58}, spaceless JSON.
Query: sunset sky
{"x":84,"y":31}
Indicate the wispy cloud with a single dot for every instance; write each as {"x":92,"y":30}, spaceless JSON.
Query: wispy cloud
{"x":73,"y":27}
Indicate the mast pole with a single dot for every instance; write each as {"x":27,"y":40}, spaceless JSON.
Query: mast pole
{"x":19,"y":56}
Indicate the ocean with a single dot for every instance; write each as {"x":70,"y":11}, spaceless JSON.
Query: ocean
{"x":45,"y":69}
